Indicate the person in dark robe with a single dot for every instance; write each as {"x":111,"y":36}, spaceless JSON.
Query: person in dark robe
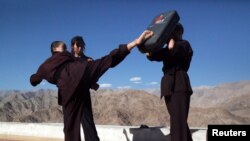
{"x":77,"y":50}
{"x":74,"y":79}
{"x":175,"y":84}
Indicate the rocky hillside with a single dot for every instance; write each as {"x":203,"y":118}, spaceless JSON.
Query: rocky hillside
{"x":39,"y":106}
{"x":223,"y":104}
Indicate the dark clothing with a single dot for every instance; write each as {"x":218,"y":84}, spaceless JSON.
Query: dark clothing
{"x":48,"y":69}
{"x":89,"y":129}
{"x":73,"y":85}
{"x":77,"y":112}
{"x":176,"y":87}
{"x":94,"y":86}
{"x":178,"y":108}
{"x":176,"y":63}
{"x":87,"y":120}
{"x":84,"y":57}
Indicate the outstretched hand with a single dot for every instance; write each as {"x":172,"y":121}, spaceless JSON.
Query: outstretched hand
{"x":142,"y":38}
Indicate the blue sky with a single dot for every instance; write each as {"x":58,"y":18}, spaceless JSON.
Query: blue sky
{"x":218,"y":31}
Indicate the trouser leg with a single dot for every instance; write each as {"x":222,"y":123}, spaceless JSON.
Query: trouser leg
{"x":87,"y":120}
{"x":72,"y":118}
{"x":178,"y":108}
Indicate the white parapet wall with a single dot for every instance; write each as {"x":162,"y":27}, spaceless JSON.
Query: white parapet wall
{"x":105,"y":132}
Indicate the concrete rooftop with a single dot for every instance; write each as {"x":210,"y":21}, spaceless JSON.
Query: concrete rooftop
{"x":13,"y":131}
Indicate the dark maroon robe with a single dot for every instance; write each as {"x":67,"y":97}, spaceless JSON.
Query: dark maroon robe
{"x":176,"y":63}
{"x":74,"y":83}
{"x":48,"y":71}
{"x":176,"y":87}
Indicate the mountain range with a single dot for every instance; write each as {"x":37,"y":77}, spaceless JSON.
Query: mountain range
{"x":222,"y":104}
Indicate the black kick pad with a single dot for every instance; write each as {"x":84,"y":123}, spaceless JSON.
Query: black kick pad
{"x":162,"y":26}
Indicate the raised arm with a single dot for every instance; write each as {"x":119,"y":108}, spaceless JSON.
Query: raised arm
{"x":159,"y":55}
{"x":180,"y":50}
{"x":174,"y":50}
{"x":162,"y":53}
{"x":36,"y":78}
{"x":95,"y":69}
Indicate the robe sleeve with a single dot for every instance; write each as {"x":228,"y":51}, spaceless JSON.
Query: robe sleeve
{"x":158,"y":56}
{"x":179,"y":51}
{"x":96,"y":68}
{"x":36,"y":78}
